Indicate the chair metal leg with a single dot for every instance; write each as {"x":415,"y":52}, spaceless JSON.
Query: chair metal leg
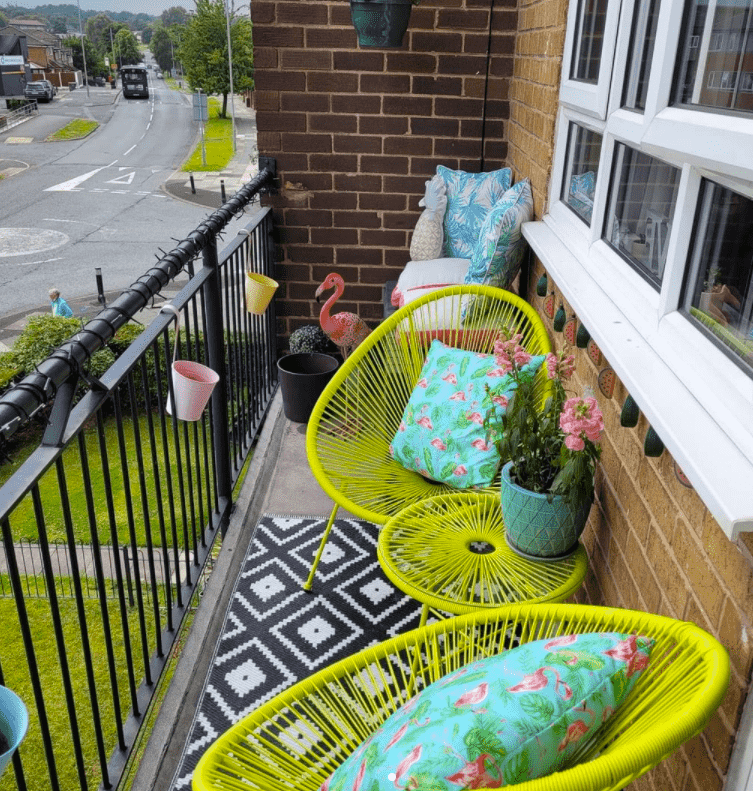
{"x":310,"y":581}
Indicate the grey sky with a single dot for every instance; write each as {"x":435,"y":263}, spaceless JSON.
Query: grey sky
{"x":153,"y":7}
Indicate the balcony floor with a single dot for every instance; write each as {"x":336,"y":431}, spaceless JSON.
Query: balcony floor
{"x":279,"y":481}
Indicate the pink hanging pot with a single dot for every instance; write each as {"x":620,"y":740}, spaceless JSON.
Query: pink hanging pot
{"x":193,"y":382}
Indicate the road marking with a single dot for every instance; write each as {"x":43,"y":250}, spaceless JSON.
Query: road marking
{"x":36,"y":263}
{"x":127,"y":178}
{"x":71,"y":184}
{"x":130,"y":149}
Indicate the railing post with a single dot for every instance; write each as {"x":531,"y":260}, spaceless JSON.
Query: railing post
{"x":216,"y":359}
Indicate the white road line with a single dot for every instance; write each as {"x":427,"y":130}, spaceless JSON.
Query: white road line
{"x":71,"y":184}
{"x":32,"y":263}
{"x":130,"y":149}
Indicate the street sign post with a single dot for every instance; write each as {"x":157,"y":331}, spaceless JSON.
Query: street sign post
{"x":201,"y":114}
{"x":11,"y":60}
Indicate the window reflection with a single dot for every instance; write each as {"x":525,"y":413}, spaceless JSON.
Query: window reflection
{"x":719,"y":288}
{"x":589,"y":38}
{"x":643,"y":36}
{"x":641,"y":207}
{"x":579,"y":185}
{"x":715,"y":56}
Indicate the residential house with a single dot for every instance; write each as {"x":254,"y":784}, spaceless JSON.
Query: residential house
{"x":48,"y":58}
{"x":14,"y":65}
{"x":632,"y":120}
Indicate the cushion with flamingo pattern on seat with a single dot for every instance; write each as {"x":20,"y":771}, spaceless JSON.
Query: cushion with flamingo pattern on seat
{"x":501,"y":720}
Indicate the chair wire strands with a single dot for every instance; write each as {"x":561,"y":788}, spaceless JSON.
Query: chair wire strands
{"x":352,"y":425}
{"x":301,"y":736}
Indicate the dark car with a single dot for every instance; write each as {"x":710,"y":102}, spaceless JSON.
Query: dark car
{"x":41,"y":90}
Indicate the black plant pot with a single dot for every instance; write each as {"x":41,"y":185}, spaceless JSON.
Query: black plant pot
{"x":303,"y":377}
{"x":380,"y":23}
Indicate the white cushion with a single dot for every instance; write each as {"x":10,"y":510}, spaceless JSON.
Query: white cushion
{"x":429,"y":276}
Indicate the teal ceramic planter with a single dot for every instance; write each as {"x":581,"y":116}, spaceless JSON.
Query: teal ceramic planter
{"x":14,"y":720}
{"x":537,"y":528}
{"x":380,"y":23}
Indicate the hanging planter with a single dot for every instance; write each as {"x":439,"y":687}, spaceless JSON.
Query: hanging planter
{"x":259,"y":292}
{"x":193,"y":382}
{"x":380,"y":23}
{"x":14,"y":721}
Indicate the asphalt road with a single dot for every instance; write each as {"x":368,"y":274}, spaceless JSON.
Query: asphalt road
{"x":68,"y":207}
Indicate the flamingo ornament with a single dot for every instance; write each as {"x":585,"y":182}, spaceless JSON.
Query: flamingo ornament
{"x":345,"y":330}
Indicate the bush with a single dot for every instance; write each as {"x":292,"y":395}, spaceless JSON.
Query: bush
{"x":311,"y":339}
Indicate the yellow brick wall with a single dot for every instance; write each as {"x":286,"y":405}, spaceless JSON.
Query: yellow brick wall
{"x":651,"y":541}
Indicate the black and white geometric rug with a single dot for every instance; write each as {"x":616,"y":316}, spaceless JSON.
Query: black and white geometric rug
{"x":276,"y":634}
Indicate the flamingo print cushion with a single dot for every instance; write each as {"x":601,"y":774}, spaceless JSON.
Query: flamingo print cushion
{"x":470,"y":196}
{"x":502,"y":720}
{"x":442,"y":434}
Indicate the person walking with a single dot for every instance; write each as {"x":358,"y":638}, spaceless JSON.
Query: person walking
{"x":59,"y":306}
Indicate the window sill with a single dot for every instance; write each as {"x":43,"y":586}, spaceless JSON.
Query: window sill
{"x":710,"y":439}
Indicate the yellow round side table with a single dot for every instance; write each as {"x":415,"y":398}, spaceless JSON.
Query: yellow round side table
{"x":450,"y":553}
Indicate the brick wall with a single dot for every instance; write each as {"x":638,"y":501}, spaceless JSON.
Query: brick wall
{"x":356,"y":132}
{"x":652,"y":543}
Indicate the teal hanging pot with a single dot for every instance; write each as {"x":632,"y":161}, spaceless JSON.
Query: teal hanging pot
{"x":380,"y":23}
{"x":537,"y":528}
{"x":542,"y":285}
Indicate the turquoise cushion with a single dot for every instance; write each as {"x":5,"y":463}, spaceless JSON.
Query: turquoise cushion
{"x":500,"y":247}
{"x":500,"y":720}
{"x":470,"y":196}
{"x":442,"y":434}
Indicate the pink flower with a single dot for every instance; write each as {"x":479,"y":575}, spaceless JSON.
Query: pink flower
{"x":422,"y":383}
{"x":476,"y":417}
{"x":500,"y":400}
{"x":475,"y":695}
{"x":460,"y":470}
{"x":581,"y":416}
{"x":438,"y":444}
{"x":459,"y":396}
{"x":561,"y":366}
{"x":504,"y":363}
{"x":481,"y":444}
{"x":451,"y":378}
{"x":521,"y":356}
{"x":574,"y":442}
{"x":425,"y":422}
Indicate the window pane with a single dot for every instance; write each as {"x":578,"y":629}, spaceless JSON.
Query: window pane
{"x":642,"y":39}
{"x":641,"y":207}
{"x":582,"y":164}
{"x":589,"y":37}
{"x":719,"y":288}
{"x":715,"y":55}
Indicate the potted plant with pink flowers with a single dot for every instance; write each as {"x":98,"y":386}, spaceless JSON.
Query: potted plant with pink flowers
{"x":547,"y":486}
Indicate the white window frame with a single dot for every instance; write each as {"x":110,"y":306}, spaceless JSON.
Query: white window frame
{"x":698,"y":400}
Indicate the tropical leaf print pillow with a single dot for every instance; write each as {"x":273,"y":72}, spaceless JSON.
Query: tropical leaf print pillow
{"x":470,"y":196}
{"x":501,"y":720}
{"x":442,"y":434}
{"x":500,"y":248}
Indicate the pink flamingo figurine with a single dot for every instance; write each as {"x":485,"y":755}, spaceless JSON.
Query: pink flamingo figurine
{"x":345,"y":330}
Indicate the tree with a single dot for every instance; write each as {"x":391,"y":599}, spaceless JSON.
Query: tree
{"x":57,"y":25}
{"x":147,"y":33}
{"x":174,"y":16}
{"x":99,"y":27}
{"x":94,"y":63}
{"x":204,"y":52}
{"x":3,"y":19}
{"x":127,"y":48}
{"x":162,"y":46}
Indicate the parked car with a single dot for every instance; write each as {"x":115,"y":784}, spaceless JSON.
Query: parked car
{"x":41,"y":90}
{"x":159,"y":75}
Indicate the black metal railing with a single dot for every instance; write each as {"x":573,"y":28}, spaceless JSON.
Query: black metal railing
{"x":84,"y":645}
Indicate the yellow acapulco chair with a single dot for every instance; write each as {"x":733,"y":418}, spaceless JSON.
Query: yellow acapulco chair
{"x":297,"y":740}
{"x":357,"y":415}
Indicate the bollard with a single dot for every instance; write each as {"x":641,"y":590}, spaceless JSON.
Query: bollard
{"x":222,"y":190}
{"x":193,"y":186}
{"x":101,"y":298}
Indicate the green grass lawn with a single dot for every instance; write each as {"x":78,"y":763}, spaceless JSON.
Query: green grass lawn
{"x":126,"y":507}
{"x":15,"y":669}
{"x":218,"y":142}
{"x":76,"y":129}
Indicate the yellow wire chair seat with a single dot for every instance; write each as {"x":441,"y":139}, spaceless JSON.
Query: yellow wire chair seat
{"x":356,"y":417}
{"x":450,"y":553}
{"x":297,"y":740}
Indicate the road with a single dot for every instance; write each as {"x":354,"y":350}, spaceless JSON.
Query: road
{"x":72,"y":206}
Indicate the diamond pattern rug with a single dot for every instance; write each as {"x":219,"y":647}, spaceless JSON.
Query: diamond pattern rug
{"x":275,"y":633}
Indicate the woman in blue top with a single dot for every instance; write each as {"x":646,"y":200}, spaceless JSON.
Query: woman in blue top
{"x":59,"y":306}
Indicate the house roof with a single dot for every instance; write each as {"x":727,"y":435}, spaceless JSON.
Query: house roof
{"x":9,"y":45}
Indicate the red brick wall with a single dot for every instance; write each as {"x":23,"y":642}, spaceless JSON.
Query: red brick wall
{"x":356,"y":132}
